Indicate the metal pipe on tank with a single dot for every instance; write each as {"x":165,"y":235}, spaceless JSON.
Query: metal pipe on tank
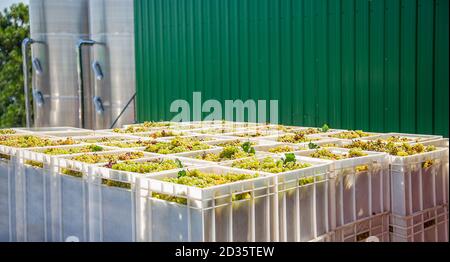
{"x":25,"y":44}
{"x":79,"y":51}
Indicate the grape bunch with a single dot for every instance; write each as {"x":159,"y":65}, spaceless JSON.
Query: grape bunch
{"x":296,"y":138}
{"x":324,"y":153}
{"x":104,"y":158}
{"x":351,"y":134}
{"x":269,"y":164}
{"x":177,"y":145}
{"x":7,"y":131}
{"x":28,"y":141}
{"x":228,"y":153}
{"x":149,"y":166}
{"x":72,"y":150}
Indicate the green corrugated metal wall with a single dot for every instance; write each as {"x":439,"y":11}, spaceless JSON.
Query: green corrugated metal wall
{"x":379,"y":65}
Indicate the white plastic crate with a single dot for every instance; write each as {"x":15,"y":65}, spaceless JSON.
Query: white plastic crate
{"x":36,"y":193}
{"x":8,"y":168}
{"x":415,"y":188}
{"x":358,"y":194}
{"x":301,"y":208}
{"x":7,"y":194}
{"x":429,"y":225}
{"x":210,"y":213}
{"x":113,"y":210}
{"x":371,"y":229}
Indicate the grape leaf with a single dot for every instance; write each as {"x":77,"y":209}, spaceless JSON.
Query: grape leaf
{"x":182,"y":173}
{"x":289,"y":157}
{"x":325,"y":128}
{"x":180,"y":165}
{"x":247,"y":147}
{"x":311,"y":145}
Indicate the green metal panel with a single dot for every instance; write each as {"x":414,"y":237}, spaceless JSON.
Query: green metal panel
{"x":363,"y":64}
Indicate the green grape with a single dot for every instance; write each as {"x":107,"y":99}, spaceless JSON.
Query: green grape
{"x":102,"y":139}
{"x":308,"y":131}
{"x":73,"y":150}
{"x":228,"y":153}
{"x":179,"y":200}
{"x":156,"y":124}
{"x":164,"y":133}
{"x":34,"y":163}
{"x":177,"y":145}
{"x":129,"y":144}
{"x":70,"y":172}
{"x":395,"y":149}
{"x":296,"y":138}
{"x":269,"y":165}
{"x":327,"y":154}
{"x":351,"y":134}
{"x":96,"y":158}
{"x":150,"y":166}
{"x":396,"y":139}
{"x":305,"y":181}
{"x":7,"y":131}
{"x":234,"y":143}
{"x":281,"y":149}
{"x":200,"y":179}
{"x":113,"y":183}
{"x":28,"y":141}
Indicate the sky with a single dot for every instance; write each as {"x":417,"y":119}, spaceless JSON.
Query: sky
{"x":7,"y":3}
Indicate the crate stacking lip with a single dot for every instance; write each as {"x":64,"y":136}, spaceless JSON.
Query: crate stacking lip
{"x":114,"y":209}
{"x":371,"y":229}
{"x":429,"y":225}
{"x":8,"y":167}
{"x":210,"y":214}
{"x":300,"y":207}
{"x":37,"y":191}
{"x":194,"y":154}
{"x":358,"y":194}
{"x":415,"y":187}
{"x":442,"y":142}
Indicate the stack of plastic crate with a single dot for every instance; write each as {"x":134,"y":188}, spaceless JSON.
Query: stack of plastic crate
{"x":10,"y":146}
{"x":300,"y":207}
{"x":359,"y":192}
{"x":419,"y":187}
{"x":420,"y":197}
{"x":238,"y":211}
{"x":114,"y":206}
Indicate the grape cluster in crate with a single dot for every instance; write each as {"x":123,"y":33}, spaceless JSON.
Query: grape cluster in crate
{"x":222,"y":181}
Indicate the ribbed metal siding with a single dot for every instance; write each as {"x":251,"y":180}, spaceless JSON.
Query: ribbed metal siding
{"x":379,"y":65}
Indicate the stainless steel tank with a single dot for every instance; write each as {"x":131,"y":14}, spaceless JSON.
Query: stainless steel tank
{"x":55,"y":27}
{"x":108,"y":73}
{"x":111,"y":26}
